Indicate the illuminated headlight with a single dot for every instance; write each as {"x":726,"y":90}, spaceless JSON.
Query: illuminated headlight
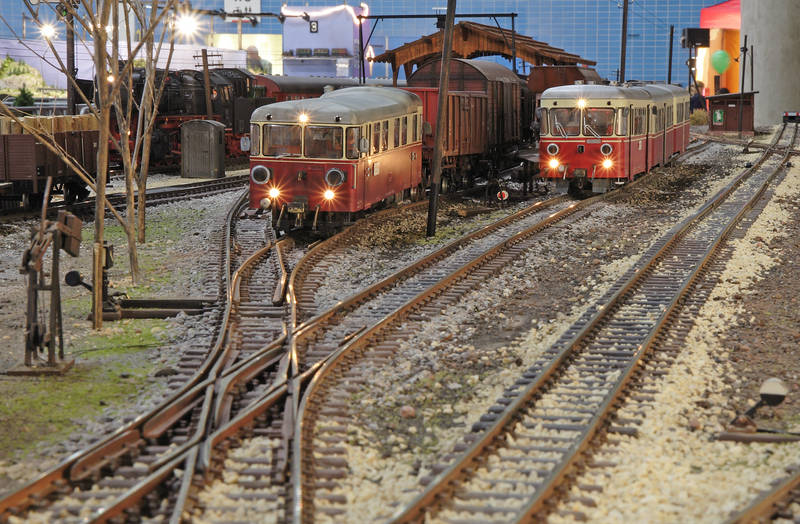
{"x":607,"y":163}
{"x":552,"y":149}
{"x":553,"y":163}
{"x":265,"y":203}
{"x":328,"y":194}
{"x":260,"y":175}
{"x":606,"y":149}
{"x":274,"y":192}
{"x":335,"y":177}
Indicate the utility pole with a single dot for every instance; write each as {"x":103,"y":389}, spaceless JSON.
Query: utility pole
{"x":444,"y":83}
{"x":71,"y":70}
{"x":207,"y":85}
{"x":742,"y":73}
{"x":624,"y":41}
{"x":669,"y":64}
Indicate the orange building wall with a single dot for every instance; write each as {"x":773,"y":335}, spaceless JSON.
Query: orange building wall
{"x":727,"y":39}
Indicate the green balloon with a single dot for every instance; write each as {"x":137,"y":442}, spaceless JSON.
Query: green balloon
{"x":720,"y":60}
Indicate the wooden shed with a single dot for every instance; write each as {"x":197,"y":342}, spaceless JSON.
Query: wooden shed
{"x":472,"y":40}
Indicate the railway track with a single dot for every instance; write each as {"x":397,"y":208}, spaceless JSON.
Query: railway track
{"x":155,"y":197}
{"x":246,"y":399}
{"x":779,"y":503}
{"x":105,"y":480}
{"x":526,"y":446}
{"x":268,"y":422}
{"x":324,"y":412}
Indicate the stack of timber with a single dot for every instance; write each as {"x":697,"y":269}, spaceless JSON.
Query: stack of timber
{"x":47,"y":124}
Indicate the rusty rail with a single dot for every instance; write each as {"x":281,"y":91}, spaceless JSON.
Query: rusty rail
{"x":443,"y":482}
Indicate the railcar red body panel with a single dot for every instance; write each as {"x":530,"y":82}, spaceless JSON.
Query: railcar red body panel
{"x":299,"y":165}
{"x":368,"y":180}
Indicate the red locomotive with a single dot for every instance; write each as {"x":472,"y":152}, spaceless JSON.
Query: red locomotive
{"x":595,"y":137}
{"x":330,"y":157}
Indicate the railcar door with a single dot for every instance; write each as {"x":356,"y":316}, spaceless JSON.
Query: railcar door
{"x":373,"y":186}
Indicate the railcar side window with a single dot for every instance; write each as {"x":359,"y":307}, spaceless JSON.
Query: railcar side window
{"x":541,"y":116}
{"x":404,"y":132}
{"x":353,"y":137}
{"x":622,"y":121}
{"x":638,"y":121}
{"x":384,"y":135}
{"x":396,"y":134}
{"x":282,"y":140}
{"x":598,"y":122}
{"x":255,"y":140}
{"x":376,"y":137}
{"x":565,"y":121}
{"x":323,"y":142}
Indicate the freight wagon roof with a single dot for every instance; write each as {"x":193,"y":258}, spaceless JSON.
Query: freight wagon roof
{"x":461,"y":70}
{"x":574,"y":92}
{"x":353,"y":105}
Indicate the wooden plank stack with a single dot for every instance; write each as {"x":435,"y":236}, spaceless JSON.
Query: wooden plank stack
{"x":48,"y":124}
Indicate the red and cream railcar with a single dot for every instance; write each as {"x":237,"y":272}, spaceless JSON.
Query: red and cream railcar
{"x":324,"y":159}
{"x":599,"y":136}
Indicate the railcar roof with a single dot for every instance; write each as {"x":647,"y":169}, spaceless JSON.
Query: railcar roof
{"x":353,"y":106}
{"x":593,"y":92}
{"x":609,"y":92}
{"x":658,"y":91}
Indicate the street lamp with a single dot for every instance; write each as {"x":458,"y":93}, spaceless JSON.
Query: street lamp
{"x":48,"y":31}
{"x":186,"y":25}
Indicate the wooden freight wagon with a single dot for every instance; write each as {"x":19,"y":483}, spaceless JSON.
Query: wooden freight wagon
{"x":26,"y":162}
{"x":504,"y":119}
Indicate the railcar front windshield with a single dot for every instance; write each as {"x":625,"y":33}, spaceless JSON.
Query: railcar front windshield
{"x":598,"y":122}
{"x":565,"y":121}
{"x":322,"y":142}
{"x":282,"y":140}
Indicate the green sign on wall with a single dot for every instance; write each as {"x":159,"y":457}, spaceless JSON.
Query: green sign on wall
{"x":718,"y":117}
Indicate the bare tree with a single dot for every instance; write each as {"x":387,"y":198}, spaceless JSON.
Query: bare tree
{"x":94,"y":16}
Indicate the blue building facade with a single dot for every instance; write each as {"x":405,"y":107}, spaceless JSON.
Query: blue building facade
{"x":589,"y":28}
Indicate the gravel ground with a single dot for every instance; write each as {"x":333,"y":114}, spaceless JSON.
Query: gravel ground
{"x":455,"y":367}
{"x":128,"y":363}
{"x":747,"y":332}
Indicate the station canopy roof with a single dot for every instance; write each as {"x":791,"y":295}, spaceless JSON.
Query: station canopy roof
{"x":471,"y":40}
{"x":725,"y":15}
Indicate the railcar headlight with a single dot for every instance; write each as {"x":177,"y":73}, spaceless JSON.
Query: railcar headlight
{"x":335,"y":177}
{"x":552,"y":149}
{"x":260,"y":175}
{"x":265,"y":203}
{"x":562,"y":168}
{"x":553,"y":163}
{"x":274,"y":192}
{"x":606,"y":149}
{"x":607,"y":163}
{"x":328,"y":194}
